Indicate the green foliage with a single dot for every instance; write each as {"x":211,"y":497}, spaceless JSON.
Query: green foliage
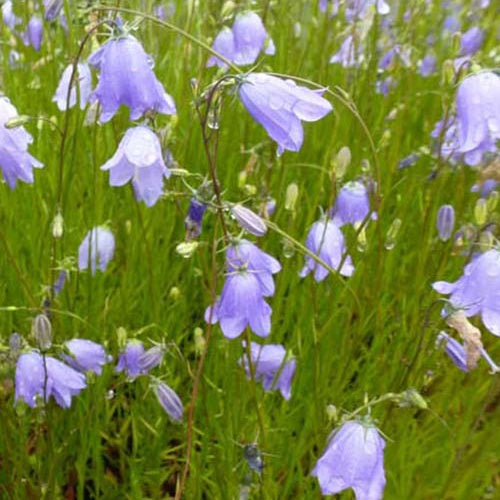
{"x":121,"y":444}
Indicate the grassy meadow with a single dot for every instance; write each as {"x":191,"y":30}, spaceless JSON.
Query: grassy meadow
{"x":354,"y":339}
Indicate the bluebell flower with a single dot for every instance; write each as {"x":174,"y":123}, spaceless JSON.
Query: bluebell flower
{"x":352,"y":204}
{"x":454,"y":349}
{"x":471,"y":41}
{"x":34,"y":33}
{"x":52,"y":8}
{"x":8,"y":16}
{"x":428,"y":65}
{"x":478,"y":116}
{"x":126,"y":77}
{"x":169,"y":401}
{"x":194,"y":219}
{"x":350,"y":53}
{"x":128,"y":361}
{"x":326,"y":240}
{"x":354,"y":458}
{"x":249,"y":220}
{"x":82,"y":78}
{"x":445,"y":222}
{"x":139,"y":159}
{"x":243,"y":254}
{"x":98,"y":246}
{"x":270,"y":367}
{"x":280,"y":105}
{"x":62,"y":382}
{"x":15,"y":161}
{"x":86,"y":355}
{"x":243,"y":43}
{"x":485,"y":188}
{"x":151,"y":358}
{"x":477,"y":291}
{"x":241,"y":304}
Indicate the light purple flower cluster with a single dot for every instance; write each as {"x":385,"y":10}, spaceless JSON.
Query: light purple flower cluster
{"x":354,"y":458}
{"x":249,"y":279}
{"x":477,"y":291}
{"x":38,"y":376}
{"x":280,"y":105}
{"x":355,"y":9}
{"x":135,"y":360}
{"x":242,"y":43}
{"x":15,"y":161}
{"x":271,"y":366}
{"x":350,"y":53}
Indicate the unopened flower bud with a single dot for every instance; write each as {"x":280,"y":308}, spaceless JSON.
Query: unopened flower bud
{"x":342,"y":161}
{"x":169,"y":400}
{"x":58,"y":226}
{"x":151,"y":358}
{"x":481,"y":211}
{"x":249,"y":220}
{"x":445,"y":222}
{"x":41,"y":330}
{"x":15,"y":341}
{"x":199,"y":341}
{"x":492,"y":201}
{"x":17,"y":121}
{"x":292,"y":193}
{"x":411,"y":397}
{"x":187,"y":248}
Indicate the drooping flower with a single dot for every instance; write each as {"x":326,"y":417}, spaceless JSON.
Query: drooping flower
{"x":98,"y":246}
{"x":478,"y":116}
{"x":126,"y":77}
{"x":62,"y":381}
{"x":355,"y":9}
{"x":241,"y":304}
{"x":454,"y":349}
{"x":352,"y":204}
{"x":243,"y":42}
{"x":243,"y":254}
{"x":151,"y":358}
{"x":428,"y":65}
{"x":249,"y":220}
{"x":34,"y":33}
{"x":477,"y":291}
{"x":169,"y":401}
{"x":82,"y":78}
{"x":86,"y":355}
{"x":458,"y":353}
{"x":128,"y":361}
{"x":350,"y":54}
{"x":15,"y":161}
{"x":8,"y":16}
{"x":445,"y":222}
{"x":271,"y":367}
{"x":194,"y":218}
{"x":326,"y":240}
{"x":354,"y":458}
{"x":471,"y":41}
{"x":280,"y":105}
{"x":52,"y":8}
{"x":139,"y":159}
{"x":485,"y":188}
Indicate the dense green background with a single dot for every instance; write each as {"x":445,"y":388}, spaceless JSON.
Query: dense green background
{"x":382,"y":341}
